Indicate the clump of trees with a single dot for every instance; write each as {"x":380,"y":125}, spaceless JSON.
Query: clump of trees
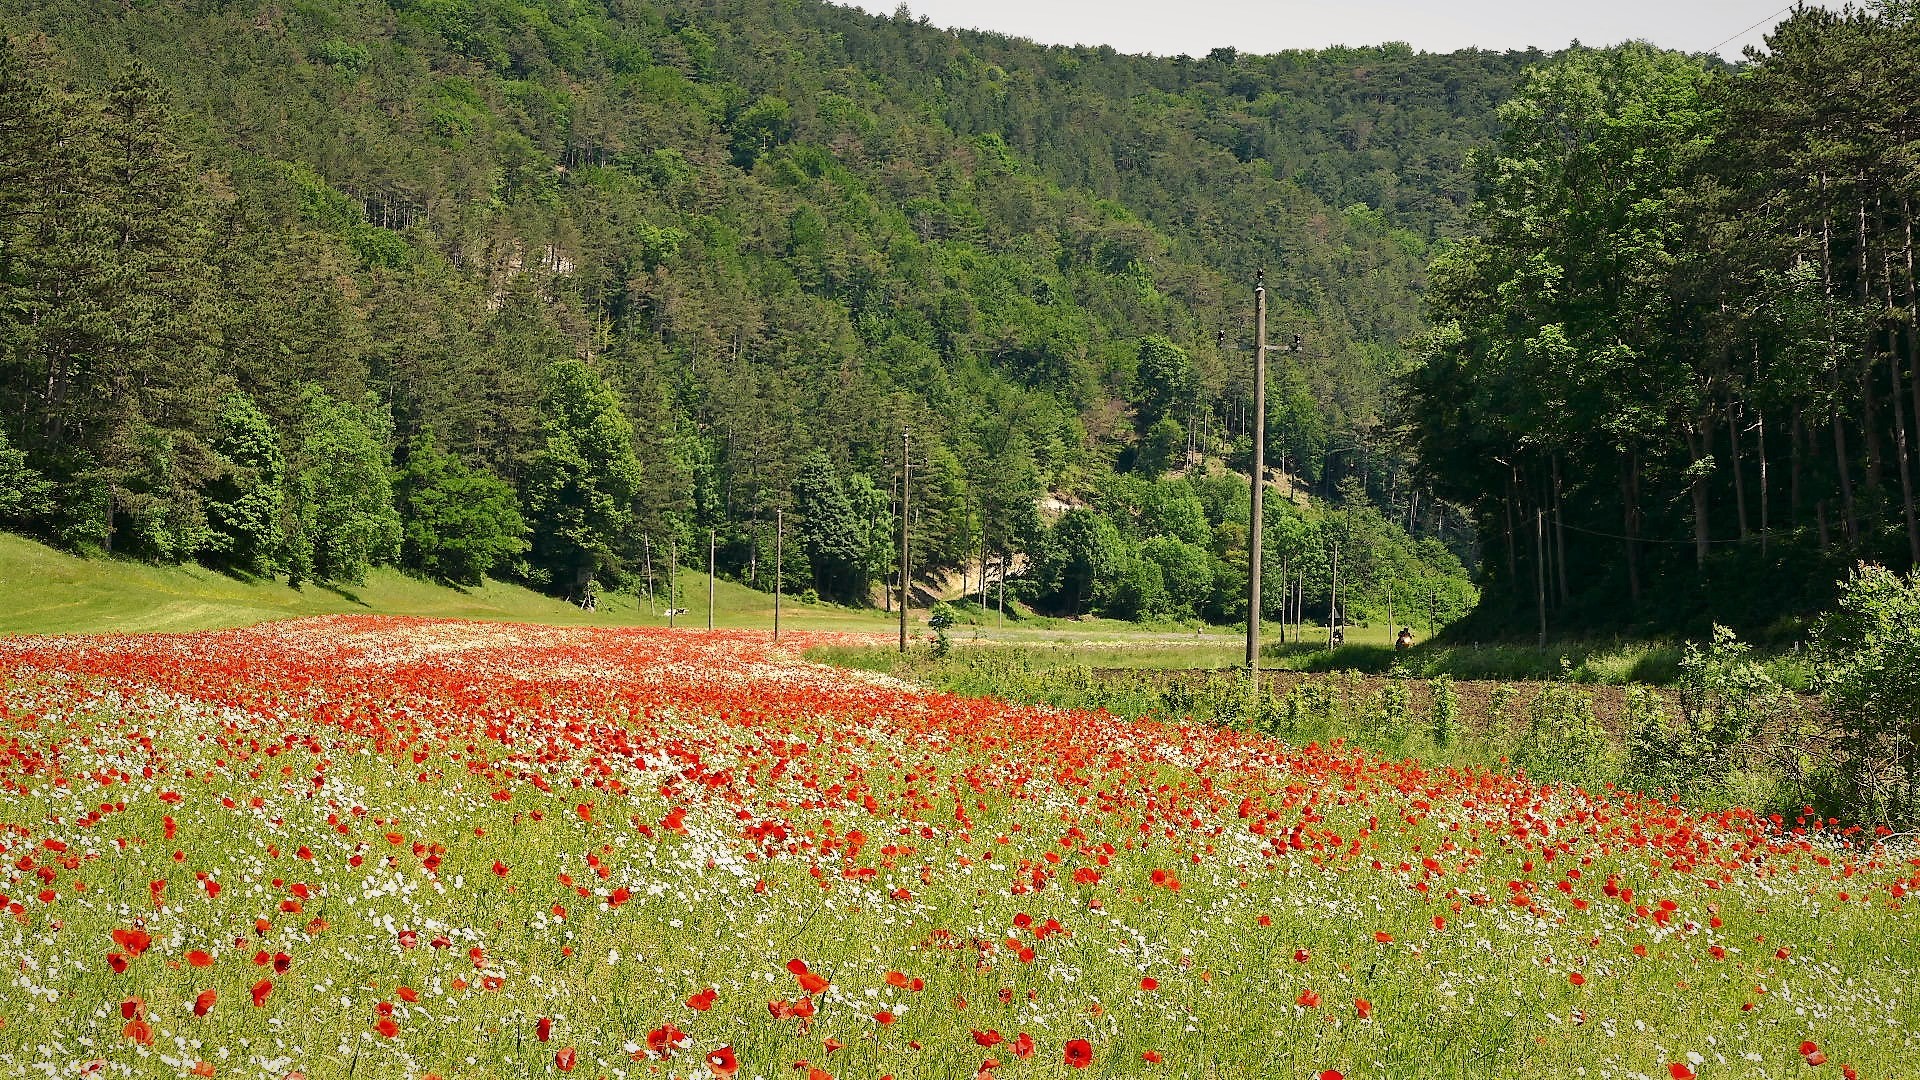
{"x":1674,"y":371}
{"x":1175,"y":547}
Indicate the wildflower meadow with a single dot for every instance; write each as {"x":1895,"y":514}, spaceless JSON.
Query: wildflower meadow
{"x":360,"y":846}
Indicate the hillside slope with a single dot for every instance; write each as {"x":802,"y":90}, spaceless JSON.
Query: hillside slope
{"x":50,"y":592}
{"x":769,"y":235}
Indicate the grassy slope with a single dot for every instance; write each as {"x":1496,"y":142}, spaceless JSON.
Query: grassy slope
{"x":44,"y":591}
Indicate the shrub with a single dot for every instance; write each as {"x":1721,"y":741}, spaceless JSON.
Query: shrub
{"x":1563,"y":741}
{"x":1443,"y":717}
{"x":1866,"y":655}
{"x":942,"y":619}
{"x":1726,"y":699}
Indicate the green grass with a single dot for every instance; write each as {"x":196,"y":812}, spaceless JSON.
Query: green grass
{"x":51,"y":592}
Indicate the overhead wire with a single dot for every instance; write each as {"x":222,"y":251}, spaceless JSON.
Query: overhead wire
{"x":1736,"y":36}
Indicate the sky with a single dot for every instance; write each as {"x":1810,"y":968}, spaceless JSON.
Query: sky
{"x":1196,"y":26}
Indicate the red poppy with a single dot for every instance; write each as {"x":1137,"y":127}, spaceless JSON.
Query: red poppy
{"x":1309,"y":999}
{"x":1023,"y":1045}
{"x":203,"y":1002}
{"x":987,"y":1038}
{"x":1362,"y":1008}
{"x":564,"y":1059}
{"x":386,"y":1027}
{"x":721,"y":1063}
{"x":1078,"y":1053}
{"x":703,"y":1000}
{"x":199,"y":958}
{"x":663,"y":1040}
{"x":543,"y":1028}
{"x":1149,"y":983}
{"x":1680,"y":1071}
{"x":1577,"y":979}
{"x":260,"y":991}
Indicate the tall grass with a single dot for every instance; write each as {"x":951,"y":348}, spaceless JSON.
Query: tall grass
{"x":1575,"y":728}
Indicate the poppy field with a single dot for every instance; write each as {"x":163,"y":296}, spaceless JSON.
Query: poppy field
{"x":406,"y":848}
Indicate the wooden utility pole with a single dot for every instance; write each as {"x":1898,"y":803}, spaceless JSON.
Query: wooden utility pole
{"x":906,"y":488}
{"x":779,"y":538}
{"x":710,"y":549}
{"x":1333,"y":597}
{"x":673,"y":566}
{"x":1259,"y":468}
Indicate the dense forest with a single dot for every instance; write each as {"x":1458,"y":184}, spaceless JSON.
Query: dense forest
{"x":1675,"y":371}
{"x":550,"y":290}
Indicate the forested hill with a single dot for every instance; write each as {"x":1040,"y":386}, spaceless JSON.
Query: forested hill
{"x":501,"y":242}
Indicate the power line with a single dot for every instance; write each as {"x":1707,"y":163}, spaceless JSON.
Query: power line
{"x":1643,"y":539}
{"x":1755,"y":26}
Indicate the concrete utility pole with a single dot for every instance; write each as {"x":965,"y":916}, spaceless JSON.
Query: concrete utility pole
{"x":647,"y":543}
{"x":710,"y":547}
{"x":779,"y":536}
{"x":906,"y":487}
{"x":1259,"y":468}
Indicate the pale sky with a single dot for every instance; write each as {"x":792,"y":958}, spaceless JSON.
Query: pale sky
{"x":1196,"y":26}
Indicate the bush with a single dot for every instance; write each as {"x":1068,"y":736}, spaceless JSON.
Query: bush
{"x":1563,"y":741}
{"x":1726,"y":699}
{"x":942,"y":619}
{"x":1866,"y":655}
{"x":1444,"y":715}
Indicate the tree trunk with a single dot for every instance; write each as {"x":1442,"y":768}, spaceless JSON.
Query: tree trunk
{"x":1834,"y":418}
{"x":1796,"y":435}
{"x":1697,"y":488}
{"x":1559,"y":533}
{"x":1897,"y":404}
{"x":1836,"y":422}
{"x":1630,"y":501}
{"x":1739,"y":471}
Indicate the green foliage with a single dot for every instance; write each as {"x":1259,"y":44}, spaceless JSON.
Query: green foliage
{"x":460,"y":524}
{"x":1727,"y":699}
{"x":1563,"y":741}
{"x":941,"y":621}
{"x":342,"y":497}
{"x":246,"y":502}
{"x":23,"y":493}
{"x":434,"y":201}
{"x":832,"y":535}
{"x":1867,"y":659}
{"x":1443,"y":718}
{"x":1670,"y":298}
{"x":579,"y":491}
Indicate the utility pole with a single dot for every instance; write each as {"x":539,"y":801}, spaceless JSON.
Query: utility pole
{"x":710,"y":547}
{"x":779,"y":537}
{"x":673,"y":567}
{"x":1333,"y":597}
{"x":646,"y":543}
{"x":906,"y":488}
{"x":1259,"y":468}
